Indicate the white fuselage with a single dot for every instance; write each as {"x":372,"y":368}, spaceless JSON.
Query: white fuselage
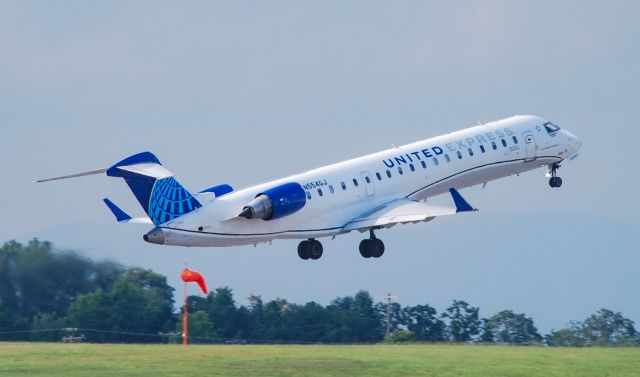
{"x":415,"y":171}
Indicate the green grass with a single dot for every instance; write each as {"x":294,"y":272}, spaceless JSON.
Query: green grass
{"x":51,"y":359}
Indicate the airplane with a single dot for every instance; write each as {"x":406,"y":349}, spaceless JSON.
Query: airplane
{"x":366,"y":194}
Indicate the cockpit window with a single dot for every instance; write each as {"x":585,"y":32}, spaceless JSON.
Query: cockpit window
{"x":550,"y":127}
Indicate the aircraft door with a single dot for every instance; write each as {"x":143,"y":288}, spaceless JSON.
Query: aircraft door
{"x":368,"y":183}
{"x":531,"y":147}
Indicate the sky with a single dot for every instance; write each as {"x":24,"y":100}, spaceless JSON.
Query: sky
{"x":244,"y":92}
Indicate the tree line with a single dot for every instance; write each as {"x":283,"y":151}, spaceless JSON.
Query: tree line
{"x":45,"y":294}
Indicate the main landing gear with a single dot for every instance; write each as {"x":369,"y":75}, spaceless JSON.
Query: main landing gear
{"x":310,"y":249}
{"x":554,"y":181}
{"x":371,"y":247}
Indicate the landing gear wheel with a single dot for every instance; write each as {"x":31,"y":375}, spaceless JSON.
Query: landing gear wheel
{"x":377,"y":248}
{"x":372,"y":247}
{"x":555,"y":182}
{"x":365,"y":249}
{"x":303,"y":250}
{"x":310,"y":249}
{"x":315,"y":249}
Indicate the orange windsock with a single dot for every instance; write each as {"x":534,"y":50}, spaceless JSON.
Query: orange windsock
{"x":193,"y":276}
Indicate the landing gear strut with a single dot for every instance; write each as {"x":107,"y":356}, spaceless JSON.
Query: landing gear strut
{"x":371,"y":247}
{"x":554,"y":181}
{"x":310,"y":249}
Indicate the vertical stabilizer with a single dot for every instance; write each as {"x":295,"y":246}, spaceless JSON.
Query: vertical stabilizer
{"x":157,"y":191}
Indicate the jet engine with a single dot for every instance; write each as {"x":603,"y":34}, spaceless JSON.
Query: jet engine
{"x":276,"y":202}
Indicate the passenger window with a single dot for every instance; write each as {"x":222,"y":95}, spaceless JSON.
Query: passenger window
{"x":344,"y":187}
{"x":308,"y":195}
{"x":424,"y":164}
{"x":388,"y":174}
{"x":412,"y":167}
{"x":482,"y":148}
{"x":435,"y":161}
{"x":493,"y":145}
{"x":504,"y":143}
{"x":515,"y":140}
{"x":367,"y":179}
{"x":470,"y":151}
{"x":446,"y":157}
{"x":400,"y":170}
{"x":331,"y":189}
{"x":459,"y":155}
{"x":355,"y":182}
{"x":319,"y":192}
{"x":379,"y":176}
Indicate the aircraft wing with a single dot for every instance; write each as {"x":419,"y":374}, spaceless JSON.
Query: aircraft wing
{"x":402,"y":211}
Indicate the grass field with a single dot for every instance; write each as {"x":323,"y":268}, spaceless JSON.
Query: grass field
{"x":50,"y":359}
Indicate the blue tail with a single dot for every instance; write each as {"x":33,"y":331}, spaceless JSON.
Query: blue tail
{"x":159,"y":194}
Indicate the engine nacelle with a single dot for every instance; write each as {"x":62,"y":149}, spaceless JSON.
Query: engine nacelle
{"x":276,"y":202}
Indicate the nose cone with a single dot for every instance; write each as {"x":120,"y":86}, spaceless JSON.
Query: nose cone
{"x":155,"y":235}
{"x":577,"y":143}
{"x":573,"y":142}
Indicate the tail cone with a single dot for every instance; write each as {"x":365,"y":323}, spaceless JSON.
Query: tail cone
{"x":155,"y":235}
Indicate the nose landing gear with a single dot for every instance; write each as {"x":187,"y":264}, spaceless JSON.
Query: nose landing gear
{"x":371,"y":247}
{"x":554,"y":181}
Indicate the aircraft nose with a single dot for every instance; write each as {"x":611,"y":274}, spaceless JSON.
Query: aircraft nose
{"x":577,"y":143}
{"x":574,"y":142}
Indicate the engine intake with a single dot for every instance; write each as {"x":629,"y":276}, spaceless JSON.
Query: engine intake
{"x":275,"y":203}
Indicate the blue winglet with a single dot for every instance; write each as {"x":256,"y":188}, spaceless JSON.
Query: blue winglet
{"x":461,"y":204}
{"x":117,"y":212}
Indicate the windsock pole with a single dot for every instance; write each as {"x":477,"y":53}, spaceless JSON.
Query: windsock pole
{"x":185,"y":319}
{"x":188,"y":275}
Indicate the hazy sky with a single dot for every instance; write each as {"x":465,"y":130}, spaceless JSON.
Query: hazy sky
{"x":240,"y":93}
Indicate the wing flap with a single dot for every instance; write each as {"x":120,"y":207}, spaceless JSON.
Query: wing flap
{"x":402,"y":211}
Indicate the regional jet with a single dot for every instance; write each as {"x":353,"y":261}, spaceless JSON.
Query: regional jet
{"x":366,"y":194}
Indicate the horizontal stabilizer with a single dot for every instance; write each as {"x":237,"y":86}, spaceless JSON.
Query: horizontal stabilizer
{"x":92,"y":172}
{"x":122,"y":216}
{"x":117,"y":212}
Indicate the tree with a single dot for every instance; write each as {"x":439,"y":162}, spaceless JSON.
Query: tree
{"x":149,"y":281}
{"x":42,"y":326}
{"x":228,"y":320}
{"x":463,"y":321}
{"x":509,"y":327}
{"x":311,"y":324}
{"x":273,"y":323}
{"x":201,"y":329}
{"x":567,"y":337}
{"x":35,"y":279}
{"x":608,"y":328}
{"x":126,"y":313}
{"x":422,"y":320}
{"x":13,"y":324}
{"x":354,"y":319}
